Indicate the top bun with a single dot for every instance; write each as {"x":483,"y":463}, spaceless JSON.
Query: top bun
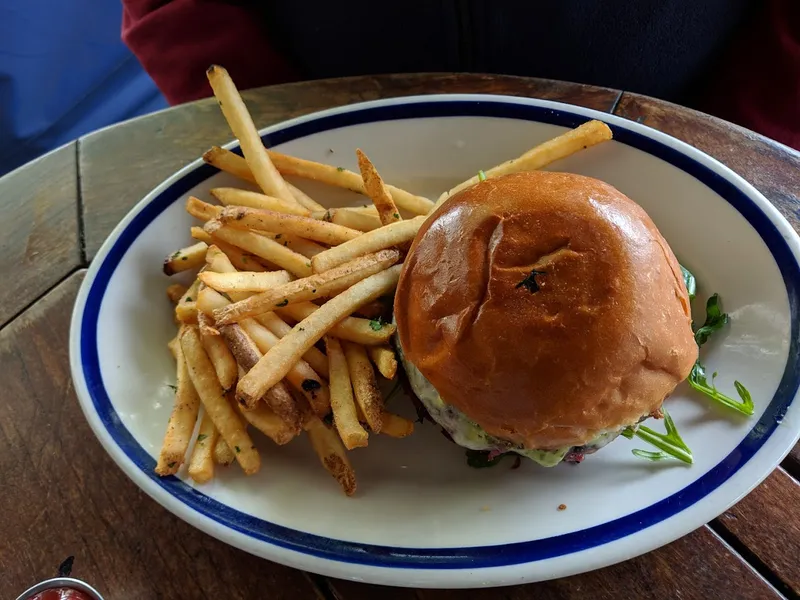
{"x":547,"y":307}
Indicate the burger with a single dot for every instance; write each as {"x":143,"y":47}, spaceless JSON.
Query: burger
{"x":542,"y":314}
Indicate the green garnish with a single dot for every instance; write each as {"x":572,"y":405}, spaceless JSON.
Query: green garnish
{"x":284,"y":302}
{"x":690,"y":281}
{"x":396,"y":215}
{"x":237,"y":449}
{"x":648,"y":455}
{"x":171,"y":464}
{"x":174,"y":387}
{"x":375,"y":325}
{"x":188,"y":298}
{"x":340,"y":169}
{"x":201,"y":437}
{"x":175,"y":255}
{"x":278,"y":236}
{"x":715,"y":320}
{"x":671,"y":444}
{"x":481,"y":176}
{"x":698,"y":381}
{"x":529,"y":283}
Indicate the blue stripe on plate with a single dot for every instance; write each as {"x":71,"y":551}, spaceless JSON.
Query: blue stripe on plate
{"x":451,"y":558}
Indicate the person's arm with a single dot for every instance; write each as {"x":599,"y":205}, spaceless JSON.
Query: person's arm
{"x":758,"y":82}
{"x":177,"y":40}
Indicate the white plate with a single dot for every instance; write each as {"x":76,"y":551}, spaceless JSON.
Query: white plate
{"x":422,"y":517}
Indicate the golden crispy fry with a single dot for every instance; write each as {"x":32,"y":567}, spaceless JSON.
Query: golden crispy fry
{"x":384,"y":359}
{"x":278,"y":398}
{"x":222,"y":453}
{"x":245,"y":282}
{"x":205,"y":322}
{"x":372,"y":241}
{"x":208,"y":387}
{"x":377,"y":191}
{"x":261,"y":246}
{"x":300,"y":245}
{"x":201,"y":464}
{"x":331,"y":282}
{"x":345,"y":416}
{"x":347,"y":217}
{"x":338,"y":177}
{"x":315,"y":358}
{"x":221,"y":357}
{"x":566,"y":144}
{"x":173,"y":346}
{"x":277,"y":362}
{"x":300,"y":374}
{"x":365,"y":385}
{"x":352,"y":329}
{"x":181,"y":422}
{"x":270,"y":424}
{"x":202,"y":210}
{"x":191,"y":257}
{"x":237,"y":197}
{"x":177,"y":290}
{"x":332,"y":454}
{"x":244,"y":261}
{"x":186,"y":309}
{"x":256,"y":219}
{"x":241,"y":124}
{"x":232,"y":163}
{"x":396,"y":426}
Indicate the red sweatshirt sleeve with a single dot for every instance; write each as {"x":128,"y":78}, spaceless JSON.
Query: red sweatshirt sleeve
{"x":758,"y":84}
{"x":177,"y":40}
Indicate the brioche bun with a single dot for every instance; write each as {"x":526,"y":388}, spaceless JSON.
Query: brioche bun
{"x":546,"y":307}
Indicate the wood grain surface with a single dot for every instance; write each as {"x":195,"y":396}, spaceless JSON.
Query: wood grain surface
{"x":699,"y":566}
{"x":766,"y":523}
{"x":121,"y":164}
{"x":63,"y":495}
{"x":38,"y":228}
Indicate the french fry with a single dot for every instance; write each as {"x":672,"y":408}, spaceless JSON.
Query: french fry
{"x":345,"y":416}
{"x":186,"y":309}
{"x":278,"y":398}
{"x":261,"y":246}
{"x":308,"y":288}
{"x":566,"y":144}
{"x":222,"y":453}
{"x":276,"y":363}
{"x":201,"y":463}
{"x":315,"y":358}
{"x":396,"y":426}
{"x":245,"y":282}
{"x":237,"y":197}
{"x":372,"y":241}
{"x":384,"y":359}
{"x":300,"y":374}
{"x":243,"y":217}
{"x":244,"y":261}
{"x":177,"y":290}
{"x":205,"y":381}
{"x":352,"y":329}
{"x":242,"y":126}
{"x":191,"y":257}
{"x":221,"y":357}
{"x":365,"y":385}
{"x":300,"y":245}
{"x":332,"y":454}
{"x":232,"y":163}
{"x":339,"y":177}
{"x":173,"y":346}
{"x":181,"y":422}
{"x":376,"y":190}
{"x":270,"y":424}
{"x":202,"y":210}
{"x":347,"y":217}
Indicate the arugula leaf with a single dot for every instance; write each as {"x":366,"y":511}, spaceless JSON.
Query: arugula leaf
{"x":671,"y":443}
{"x":715,"y":320}
{"x":690,"y":281}
{"x":376,"y":324}
{"x":648,"y":455}
{"x":698,"y":381}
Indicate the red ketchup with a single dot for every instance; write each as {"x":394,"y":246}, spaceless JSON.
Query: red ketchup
{"x":60,"y":594}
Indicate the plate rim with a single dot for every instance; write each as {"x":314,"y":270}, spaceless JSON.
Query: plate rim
{"x":469,"y":572}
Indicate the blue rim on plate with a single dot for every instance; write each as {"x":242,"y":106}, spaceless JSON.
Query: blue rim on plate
{"x":478,"y":556}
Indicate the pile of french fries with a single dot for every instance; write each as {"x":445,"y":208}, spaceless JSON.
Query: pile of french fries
{"x":285,"y":328}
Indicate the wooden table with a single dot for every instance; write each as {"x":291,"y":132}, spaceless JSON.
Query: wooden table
{"x":62,"y":495}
